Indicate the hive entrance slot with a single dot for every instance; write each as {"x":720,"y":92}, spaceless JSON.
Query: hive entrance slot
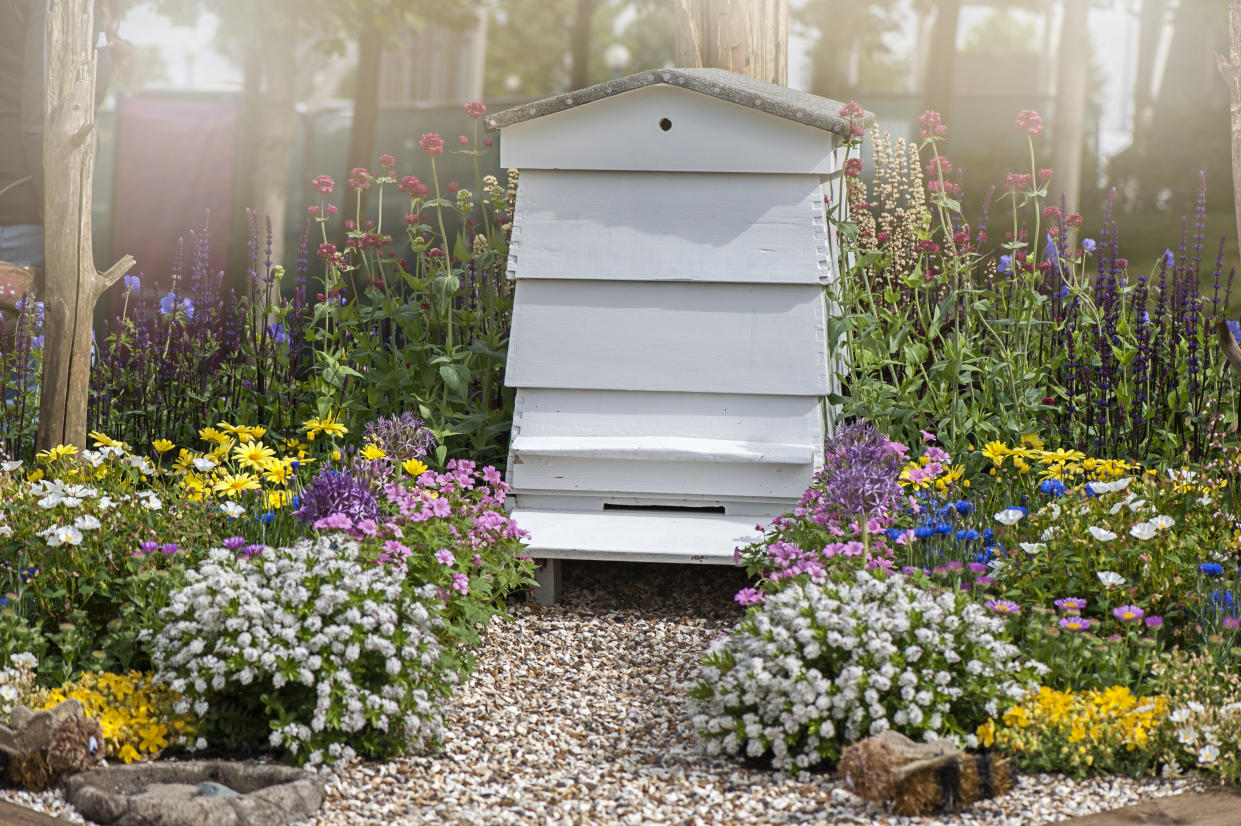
{"x":665,"y":124}
{"x":608,"y":506}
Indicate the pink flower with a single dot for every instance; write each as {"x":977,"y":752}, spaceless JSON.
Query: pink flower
{"x":359,"y":178}
{"x":324,"y":184}
{"x":489,"y":142}
{"x":932,"y":125}
{"x":491,"y":476}
{"x":387,"y":162}
{"x":1045,"y":174}
{"x":927,"y":437}
{"x":1028,"y":121}
{"x":432,"y":144}
{"x":413,"y":187}
{"x":461,"y":583}
{"x":445,"y":556}
{"x":368,"y":527}
{"x":333,"y":522}
{"x":331,"y":209}
{"x":748,"y":596}
{"x":314,"y":210}
{"x":463,"y":140}
{"x":327,"y":250}
{"x":475,"y":109}
{"x":453,"y":186}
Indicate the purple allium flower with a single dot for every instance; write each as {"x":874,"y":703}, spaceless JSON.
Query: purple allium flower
{"x":445,"y":556}
{"x":1003,"y":606}
{"x":748,"y":596}
{"x":1128,"y":613}
{"x":1154,"y":621}
{"x":234,"y":542}
{"x":1070,"y":604}
{"x":1075,"y":623}
{"x":335,"y":492}
{"x":401,"y":437}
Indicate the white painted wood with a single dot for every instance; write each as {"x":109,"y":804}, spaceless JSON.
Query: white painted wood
{"x":670,"y":227}
{"x":670,"y":478}
{"x":710,"y":338}
{"x":706,"y":135}
{"x":548,"y":586}
{"x":557,"y":412}
{"x":662,"y":449}
{"x":634,"y":537}
{"x":758,"y":509}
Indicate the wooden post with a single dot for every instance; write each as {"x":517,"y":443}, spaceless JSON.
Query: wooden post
{"x":1074,"y":63}
{"x":72,"y":284}
{"x":750,"y":37}
{"x":1230,"y":68}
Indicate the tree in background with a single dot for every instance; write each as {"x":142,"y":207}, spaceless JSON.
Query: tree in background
{"x":571,"y":38}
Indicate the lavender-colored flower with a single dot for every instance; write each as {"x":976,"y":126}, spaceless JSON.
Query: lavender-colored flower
{"x":132,"y":283}
{"x":748,"y":596}
{"x":1153,"y":621}
{"x":1088,"y":244}
{"x":1070,"y":603}
{"x":1076,"y":623}
{"x":401,"y":437}
{"x":445,"y":556}
{"x":1003,"y":606}
{"x":860,"y":489}
{"x":234,"y":542}
{"x":335,"y":492}
{"x":1128,"y":613}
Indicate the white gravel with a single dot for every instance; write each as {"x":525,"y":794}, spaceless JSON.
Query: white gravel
{"x":575,"y":715}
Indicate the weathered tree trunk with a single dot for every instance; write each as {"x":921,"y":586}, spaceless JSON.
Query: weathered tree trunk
{"x":366,"y":101}
{"x":579,"y":44}
{"x":1230,"y":68}
{"x":942,"y":59}
{"x":1074,"y":62}
{"x":750,"y":37}
{"x":72,"y":284}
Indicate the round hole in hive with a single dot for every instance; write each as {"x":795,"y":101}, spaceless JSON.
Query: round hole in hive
{"x":665,"y":124}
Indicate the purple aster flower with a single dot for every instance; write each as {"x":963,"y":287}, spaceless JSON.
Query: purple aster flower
{"x":982,"y":581}
{"x":977,"y":567}
{"x":147,"y":548}
{"x":252,"y":550}
{"x":169,"y":548}
{"x":234,"y":542}
{"x":1128,"y":613}
{"x":1070,"y":604}
{"x":1154,"y":621}
{"x":1075,"y":623}
{"x":336,"y":492}
{"x":1003,"y":606}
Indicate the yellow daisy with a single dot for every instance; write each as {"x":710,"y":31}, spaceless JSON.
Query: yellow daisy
{"x":104,"y":440}
{"x":413,"y":467}
{"x":162,"y":445}
{"x":372,"y":452}
{"x":278,"y":471}
{"x":210,"y":434}
{"x":253,"y":455}
{"x":231,"y":484}
{"x":328,"y":424}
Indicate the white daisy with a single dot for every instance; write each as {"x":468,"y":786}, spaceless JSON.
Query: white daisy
{"x":1101,"y":534}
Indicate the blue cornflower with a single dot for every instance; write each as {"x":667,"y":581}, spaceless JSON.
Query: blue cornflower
{"x":1211,"y":569}
{"x":943,"y":528}
{"x":1052,"y":487}
{"x":266,"y":518}
{"x":1224,"y":598}
{"x":943,"y":510}
{"x":987,"y":534}
{"x":923,"y":531}
{"x":963,"y":507}
{"x":961,"y":534}
{"x":971,"y":535}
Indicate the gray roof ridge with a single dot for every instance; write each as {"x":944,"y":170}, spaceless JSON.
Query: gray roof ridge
{"x":800,"y":107}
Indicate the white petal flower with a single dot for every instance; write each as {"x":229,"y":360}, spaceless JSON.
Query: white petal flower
{"x":1009,"y":516}
{"x":86,"y":522}
{"x":1143,"y":530}
{"x":1110,"y":578}
{"x":232,"y":509}
{"x":11,"y":466}
{"x":203,"y":464}
{"x":1160,"y":521}
{"x":1101,"y":534}
{"x":1032,"y":547}
{"x":63,"y":535}
{"x":152,"y":503}
{"x":1208,"y":754}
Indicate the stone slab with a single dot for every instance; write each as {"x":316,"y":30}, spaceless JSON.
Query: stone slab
{"x":1213,"y":808}
{"x":13,"y":815}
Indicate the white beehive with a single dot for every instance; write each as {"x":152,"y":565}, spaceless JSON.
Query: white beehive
{"x":669,"y":347}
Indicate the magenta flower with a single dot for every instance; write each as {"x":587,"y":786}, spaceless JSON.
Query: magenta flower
{"x":1003,"y":606}
{"x":387,"y":162}
{"x":359,"y":178}
{"x":1075,"y":623}
{"x":1128,"y":613}
{"x":475,"y":109}
{"x":234,"y":542}
{"x":461,"y":583}
{"x":1029,"y":121}
{"x":324,"y":184}
{"x":1154,"y":621}
{"x":432,"y":144}
{"x":1232,"y":623}
{"x":748,"y":596}
{"x":445,"y":556}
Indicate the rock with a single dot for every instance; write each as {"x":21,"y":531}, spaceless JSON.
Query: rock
{"x":196,"y":793}
{"x":920,"y":778}
{"x":43,"y":747}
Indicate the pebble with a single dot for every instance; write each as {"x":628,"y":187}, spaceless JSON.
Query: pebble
{"x":575,"y":714}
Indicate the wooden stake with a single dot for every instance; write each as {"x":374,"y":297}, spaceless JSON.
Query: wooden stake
{"x":750,"y":37}
{"x":72,"y":284}
{"x":1230,"y":68}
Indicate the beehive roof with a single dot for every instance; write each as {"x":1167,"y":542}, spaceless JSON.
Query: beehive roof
{"x":801,"y":107}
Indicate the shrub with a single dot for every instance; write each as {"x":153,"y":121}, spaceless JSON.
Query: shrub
{"x":135,"y":713}
{"x":1203,"y":727}
{"x":1088,"y":732}
{"x":818,"y":666}
{"x":308,"y":649}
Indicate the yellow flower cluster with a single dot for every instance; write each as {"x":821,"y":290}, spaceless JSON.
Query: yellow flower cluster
{"x":135,"y":713}
{"x":1061,"y":464}
{"x":1075,"y":730}
{"x":922,"y":474}
{"x":237,"y":461}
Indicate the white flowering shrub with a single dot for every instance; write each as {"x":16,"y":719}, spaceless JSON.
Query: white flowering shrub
{"x":817,"y":666}
{"x":307,"y":649}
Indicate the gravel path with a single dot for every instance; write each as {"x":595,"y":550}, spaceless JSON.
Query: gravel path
{"x":576,"y":716}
